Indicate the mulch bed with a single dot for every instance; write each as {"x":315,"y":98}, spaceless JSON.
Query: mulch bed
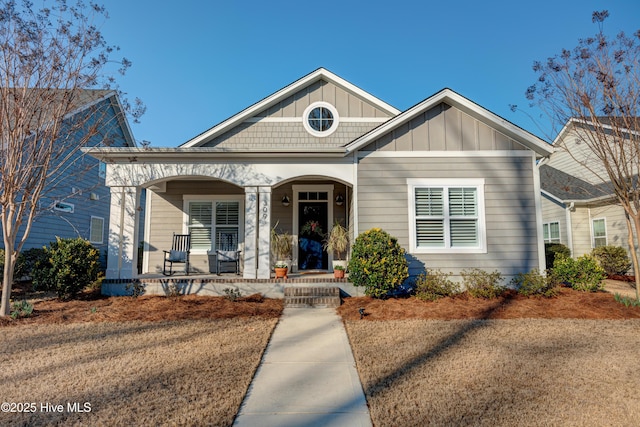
{"x":95,"y":308}
{"x":569,"y":304}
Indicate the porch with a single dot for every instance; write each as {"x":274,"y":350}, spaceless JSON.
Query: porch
{"x":215,"y":285}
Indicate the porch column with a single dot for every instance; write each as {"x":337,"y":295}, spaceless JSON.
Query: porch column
{"x":250,"y":232}
{"x":264,"y":234}
{"x":124,"y":219}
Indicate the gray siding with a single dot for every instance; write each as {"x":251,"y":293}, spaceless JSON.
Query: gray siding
{"x":166,"y":218}
{"x":289,"y":132}
{"x":512,"y":235}
{"x":347,"y":104}
{"x":444,"y":128}
{"x":553,"y":211}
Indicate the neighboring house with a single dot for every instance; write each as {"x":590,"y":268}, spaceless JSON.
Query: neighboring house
{"x":579,"y":210}
{"x":77,"y":204}
{"x":456,"y":184}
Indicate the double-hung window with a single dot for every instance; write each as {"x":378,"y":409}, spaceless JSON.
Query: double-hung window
{"x":599,"y":227}
{"x":551,"y":232}
{"x":446,"y":215}
{"x":215,"y":223}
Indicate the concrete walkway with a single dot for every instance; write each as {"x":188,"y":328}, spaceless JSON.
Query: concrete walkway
{"x":307,"y":376}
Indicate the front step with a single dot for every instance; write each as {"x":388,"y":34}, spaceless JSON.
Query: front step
{"x":312,"y":297}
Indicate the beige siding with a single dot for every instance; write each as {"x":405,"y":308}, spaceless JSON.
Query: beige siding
{"x":512,"y":235}
{"x":444,"y":128}
{"x":582,"y":233}
{"x":573,"y":157}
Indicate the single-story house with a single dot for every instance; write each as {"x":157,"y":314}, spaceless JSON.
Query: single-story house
{"x":455,"y":183}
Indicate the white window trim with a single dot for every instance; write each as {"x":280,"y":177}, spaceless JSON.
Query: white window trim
{"x":91,"y":230}
{"x":320,"y":134}
{"x":188,"y":198}
{"x":478,"y":183}
{"x":548,"y":223}
{"x":593,"y":233}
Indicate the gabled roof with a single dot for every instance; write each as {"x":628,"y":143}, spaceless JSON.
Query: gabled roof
{"x":317,"y":75}
{"x":568,"y":188}
{"x":448,"y":96}
{"x":606,"y":123}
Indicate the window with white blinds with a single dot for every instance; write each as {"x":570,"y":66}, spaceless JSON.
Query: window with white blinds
{"x":446,"y":217}
{"x":214,"y":224}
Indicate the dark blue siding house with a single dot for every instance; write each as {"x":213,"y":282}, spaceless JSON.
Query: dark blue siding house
{"x":77,"y":203}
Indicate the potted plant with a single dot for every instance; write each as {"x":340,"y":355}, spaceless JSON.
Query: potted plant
{"x":337,"y":242}
{"x":281,"y":270}
{"x":338,"y":271}
{"x":281,"y":247}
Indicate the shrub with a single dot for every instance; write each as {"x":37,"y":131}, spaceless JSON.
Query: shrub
{"x":582,"y":274}
{"x":613,"y":259}
{"x":434,"y":285}
{"x":377,"y":263}
{"x":232,"y":294}
{"x":21,"y":309}
{"x":535,"y":284}
{"x":29,"y":261}
{"x":72,"y":265}
{"x":481,"y":284}
{"x":552,"y":250}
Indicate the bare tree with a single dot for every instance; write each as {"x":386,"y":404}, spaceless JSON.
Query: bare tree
{"x":596,"y":87}
{"x":49,"y":59}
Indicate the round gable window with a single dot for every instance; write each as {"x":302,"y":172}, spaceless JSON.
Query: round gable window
{"x":320,"y":119}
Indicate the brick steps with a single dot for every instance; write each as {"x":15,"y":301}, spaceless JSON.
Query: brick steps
{"x":312,"y":297}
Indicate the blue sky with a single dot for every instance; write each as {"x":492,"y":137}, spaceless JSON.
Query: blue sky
{"x":197,"y":63}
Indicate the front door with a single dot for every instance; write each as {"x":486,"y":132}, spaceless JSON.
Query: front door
{"x":312,"y":221}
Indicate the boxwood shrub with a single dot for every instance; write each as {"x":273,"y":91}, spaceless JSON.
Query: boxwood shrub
{"x":377,"y":263}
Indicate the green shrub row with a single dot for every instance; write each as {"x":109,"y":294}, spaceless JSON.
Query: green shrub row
{"x":434,"y":285}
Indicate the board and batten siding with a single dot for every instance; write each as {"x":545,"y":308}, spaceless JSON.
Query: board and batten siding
{"x":444,"y":128}
{"x":166,"y":217}
{"x":512,"y":234}
{"x":281,"y":125}
{"x":510,"y":212}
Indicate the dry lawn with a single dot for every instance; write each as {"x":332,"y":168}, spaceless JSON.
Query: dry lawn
{"x":569,"y":360}
{"x":507,"y":362}
{"x":156,"y":370}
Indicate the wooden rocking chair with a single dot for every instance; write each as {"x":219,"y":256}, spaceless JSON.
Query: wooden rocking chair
{"x":179,"y":253}
{"x":227,"y":252}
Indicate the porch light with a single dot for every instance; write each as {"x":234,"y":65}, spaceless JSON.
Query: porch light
{"x":339,"y":200}
{"x":285,"y":200}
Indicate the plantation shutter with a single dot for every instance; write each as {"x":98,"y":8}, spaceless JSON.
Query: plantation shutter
{"x":463,"y":212}
{"x":200,"y":223}
{"x":429,"y":213}
{"x":227,"y":225}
